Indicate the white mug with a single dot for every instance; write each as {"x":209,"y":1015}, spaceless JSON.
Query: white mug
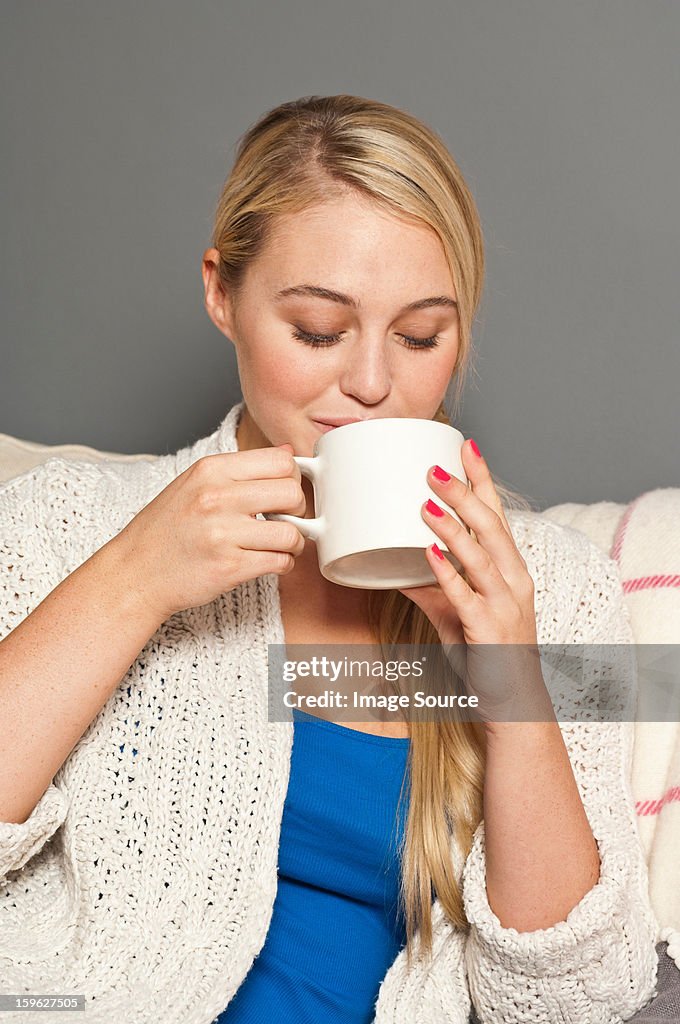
{"x":370,"y":482}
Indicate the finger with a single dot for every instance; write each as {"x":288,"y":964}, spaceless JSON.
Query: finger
{"x":481,"y":482}
{"x":271,"y":535}
{"x":480,"y":568}
{"x":465,"y":603}
{"x":477,"y":472}
{"x":489,"y":529}
{"x":271,"y":495}
{"x":254,"y":463}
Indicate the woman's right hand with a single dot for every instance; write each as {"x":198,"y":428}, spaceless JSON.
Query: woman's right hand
{"x":199,"y":537}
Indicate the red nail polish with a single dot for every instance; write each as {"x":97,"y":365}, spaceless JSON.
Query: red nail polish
{"x":475,"y":448}
{"x":441,"y":474}
{"x":437,"y":552}
{"x":434,"y":508}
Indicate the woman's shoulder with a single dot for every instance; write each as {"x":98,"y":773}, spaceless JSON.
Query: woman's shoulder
{"x":577,"y":584}
{"x":54,"y":515}
{"x":73,"y":482}
{"x":78,"y":476}
{"x":554,"y":545}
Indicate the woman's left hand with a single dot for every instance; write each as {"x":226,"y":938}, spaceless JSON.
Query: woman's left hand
{"x":494,"y":605}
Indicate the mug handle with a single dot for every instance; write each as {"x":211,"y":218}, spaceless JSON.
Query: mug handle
{"x":312,"y":528}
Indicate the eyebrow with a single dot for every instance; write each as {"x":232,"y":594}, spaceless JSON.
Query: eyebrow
{"x":346,"y":300}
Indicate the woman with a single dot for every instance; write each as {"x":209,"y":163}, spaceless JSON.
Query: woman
{"x":197,"y":862}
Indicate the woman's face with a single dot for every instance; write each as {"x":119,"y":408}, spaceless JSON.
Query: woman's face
{"x":381,"y":265}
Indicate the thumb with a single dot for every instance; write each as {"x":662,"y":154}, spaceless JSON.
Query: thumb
{"x":434,"y":603}
{"x":286,"y":445}
{"x":432,"y":600}
{"x":429,"y":599}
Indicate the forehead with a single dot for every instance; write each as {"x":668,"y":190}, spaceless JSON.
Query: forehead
{"x":346,"y":242}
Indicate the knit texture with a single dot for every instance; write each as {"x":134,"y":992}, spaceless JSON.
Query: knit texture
{"x":145,"y":881}
{"x":642,"y":538}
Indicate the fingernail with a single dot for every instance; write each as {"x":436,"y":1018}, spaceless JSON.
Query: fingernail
{"x":437,"y":552}
{"x":441,"y":474}
{"x":434,"y":508}
{"x":475,"y":448}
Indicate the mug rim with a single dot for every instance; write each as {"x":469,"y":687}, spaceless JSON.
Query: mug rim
{"x":383,"y":419}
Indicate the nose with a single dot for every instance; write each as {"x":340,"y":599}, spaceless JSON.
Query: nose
{"x":367,"y":374}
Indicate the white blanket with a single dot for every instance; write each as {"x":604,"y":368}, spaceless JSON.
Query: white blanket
{"x":644,"y":539}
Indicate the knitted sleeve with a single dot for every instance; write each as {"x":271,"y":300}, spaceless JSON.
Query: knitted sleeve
{"x":27,"y":574}
{"x":599,"y":964}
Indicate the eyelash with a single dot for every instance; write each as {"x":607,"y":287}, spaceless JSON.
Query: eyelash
{"x":322,"y":340}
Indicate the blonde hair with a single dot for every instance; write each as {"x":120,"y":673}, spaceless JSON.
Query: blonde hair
{"x":299,"y":154}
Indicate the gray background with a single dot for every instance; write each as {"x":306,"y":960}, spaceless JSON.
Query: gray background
{"x":119,"y":124}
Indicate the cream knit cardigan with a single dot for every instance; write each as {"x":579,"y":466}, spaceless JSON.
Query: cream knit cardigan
{"x":145,"y":877}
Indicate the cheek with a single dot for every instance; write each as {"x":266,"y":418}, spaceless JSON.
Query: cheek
{"x":428,"y":378}
{"x":422,"y":389}
{"x":441,"y":375}
{"x":287,"y":373}
{"x":442,"y":368}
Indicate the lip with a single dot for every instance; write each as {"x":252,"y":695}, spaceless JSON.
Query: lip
{"x":341,"y":421}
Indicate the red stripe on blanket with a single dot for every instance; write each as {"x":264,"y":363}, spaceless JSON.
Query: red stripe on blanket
{"x":650,"y":583}
{"x":621,"y":529}
{"x":644,"y":807}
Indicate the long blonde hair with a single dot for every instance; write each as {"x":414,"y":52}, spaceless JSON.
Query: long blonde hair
{"x":299,"y":154}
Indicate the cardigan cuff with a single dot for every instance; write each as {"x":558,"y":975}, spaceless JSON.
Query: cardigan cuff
{"x":586,"y":935}
{"x":19,"y":841}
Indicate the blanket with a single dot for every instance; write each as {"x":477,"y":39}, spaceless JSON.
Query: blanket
{"x":643,"y":537}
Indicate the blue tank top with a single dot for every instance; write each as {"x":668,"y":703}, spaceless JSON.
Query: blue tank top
{"x":336,"y":925}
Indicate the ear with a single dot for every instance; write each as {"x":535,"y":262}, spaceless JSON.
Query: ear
{"x":216,"y":299}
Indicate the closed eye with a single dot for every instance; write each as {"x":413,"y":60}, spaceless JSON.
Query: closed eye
{"x":319,"y":340}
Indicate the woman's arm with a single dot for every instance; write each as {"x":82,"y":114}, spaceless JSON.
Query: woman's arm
{"x":597,"y":962}
{"x":59,"y":667}
{"x":64,"y":647}
{"x":541,"y":855}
